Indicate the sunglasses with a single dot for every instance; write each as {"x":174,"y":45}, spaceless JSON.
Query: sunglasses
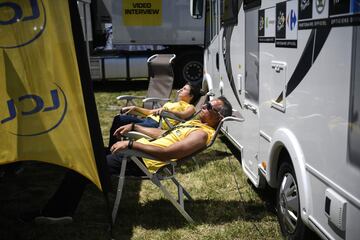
{"x":210,"y":107}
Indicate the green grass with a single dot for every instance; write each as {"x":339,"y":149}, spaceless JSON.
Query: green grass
{"x":225,"y":204}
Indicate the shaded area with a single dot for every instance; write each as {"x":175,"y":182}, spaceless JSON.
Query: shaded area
{"x":30,"y":190}
{"x":160,"y":214}
{"x":201,"y":160}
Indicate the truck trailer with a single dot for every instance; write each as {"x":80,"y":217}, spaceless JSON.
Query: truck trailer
{"x":122,"y":35}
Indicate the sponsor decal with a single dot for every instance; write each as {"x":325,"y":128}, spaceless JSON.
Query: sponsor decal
{"x":23,"y":112}
{"x":339,"y":7}
{"x":286,"y":24}
{"x":267,"y":21}
{"x":320,"y":6}
{"x":280,"y":23}
{"x":304,"y":4}
{"x":25,"y":16}
{"x":355,"y":6}
{"x":261,"y":23}
{"x":313,"y":14}
{"x":305,"y":9}
{"x":291,"y":20}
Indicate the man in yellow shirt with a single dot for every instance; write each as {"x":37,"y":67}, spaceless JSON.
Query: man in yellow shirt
{"x":182,"y":141}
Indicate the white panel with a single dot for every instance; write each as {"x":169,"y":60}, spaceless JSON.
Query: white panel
{"x":138,"y":67}
{"x":115,"y":68}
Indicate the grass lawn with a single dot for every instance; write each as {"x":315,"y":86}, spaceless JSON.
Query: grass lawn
{"x":225,"y":204}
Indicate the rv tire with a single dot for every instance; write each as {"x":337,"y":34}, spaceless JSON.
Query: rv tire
{"x":288,"y":204}
{"x":189,"y":69}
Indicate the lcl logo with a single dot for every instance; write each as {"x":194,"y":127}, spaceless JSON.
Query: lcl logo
{"x":21,"y":16}
{"x":26,"y":110}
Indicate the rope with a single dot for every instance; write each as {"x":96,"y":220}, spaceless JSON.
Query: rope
{"x":241,"y":196}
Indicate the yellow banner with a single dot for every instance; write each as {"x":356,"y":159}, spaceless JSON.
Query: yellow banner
{"x":42,"y":112}
{"x":142,"y":12}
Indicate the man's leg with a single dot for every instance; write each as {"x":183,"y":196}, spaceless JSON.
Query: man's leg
{"x":121,"y":120}
{"x":62,"y":205}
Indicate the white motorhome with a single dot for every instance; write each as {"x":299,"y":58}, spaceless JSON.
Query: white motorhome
{"x":292,"y":69}
{"x":122,"y":35}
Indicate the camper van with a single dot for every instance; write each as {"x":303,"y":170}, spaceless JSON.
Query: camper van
{"x":292,"y":70}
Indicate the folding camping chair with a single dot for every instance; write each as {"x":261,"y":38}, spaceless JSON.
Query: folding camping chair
{"x":156,"y":178}
{"x":161,"y":80}
{"x":165,"y":115}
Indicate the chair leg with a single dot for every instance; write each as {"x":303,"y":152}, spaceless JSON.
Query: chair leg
{"x":119,"y":190}
{"x":183,"y":190}
{"x":179,"y":207}
{"x":180,"y":187}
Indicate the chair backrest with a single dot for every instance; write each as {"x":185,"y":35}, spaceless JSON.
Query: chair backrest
{"x":161,"y":76}
{"x":198,"y":105}
{"x":237,"y":118}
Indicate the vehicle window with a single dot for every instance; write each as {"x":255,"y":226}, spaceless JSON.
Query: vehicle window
{"x":229,"y":12}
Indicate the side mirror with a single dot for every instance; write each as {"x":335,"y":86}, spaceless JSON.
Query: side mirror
{"x":196,"y":8}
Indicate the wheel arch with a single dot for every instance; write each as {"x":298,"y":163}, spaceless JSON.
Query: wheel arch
{"x":285,"y":147}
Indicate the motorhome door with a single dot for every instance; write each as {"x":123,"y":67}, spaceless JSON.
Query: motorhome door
{"x":251,"y":100}
{"x":211,"y":56}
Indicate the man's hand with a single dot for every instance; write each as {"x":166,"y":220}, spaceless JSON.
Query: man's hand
{"x":121,"y":131}
{"x":119,"y":146}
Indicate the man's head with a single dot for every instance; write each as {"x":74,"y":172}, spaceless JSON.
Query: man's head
{"x":215,"y":110}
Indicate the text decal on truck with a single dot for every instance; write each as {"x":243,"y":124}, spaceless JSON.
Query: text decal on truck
{"x":142,"y":12}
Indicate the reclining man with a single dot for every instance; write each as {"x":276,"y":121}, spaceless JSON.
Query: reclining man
{"x":183,"y":140}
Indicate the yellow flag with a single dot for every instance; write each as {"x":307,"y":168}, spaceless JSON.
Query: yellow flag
{"x":42,"y":111}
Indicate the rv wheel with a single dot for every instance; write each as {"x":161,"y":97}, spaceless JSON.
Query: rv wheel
{"x":190,"y":69}
{"x":288,"y":204}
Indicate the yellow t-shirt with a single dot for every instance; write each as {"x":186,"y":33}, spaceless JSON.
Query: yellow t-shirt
{"x":171,"y":106}
{"x":179,"y":133}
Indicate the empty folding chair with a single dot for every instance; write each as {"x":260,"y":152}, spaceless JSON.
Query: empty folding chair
{"x":161,"y":78}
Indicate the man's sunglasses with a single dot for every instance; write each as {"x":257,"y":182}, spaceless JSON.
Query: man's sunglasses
{"x":210,"y":107}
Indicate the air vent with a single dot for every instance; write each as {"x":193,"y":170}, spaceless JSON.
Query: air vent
{"x":96,"y":69}
{"x":335,"y":209}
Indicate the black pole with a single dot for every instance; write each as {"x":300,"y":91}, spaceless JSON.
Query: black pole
{"x":90,"y":105}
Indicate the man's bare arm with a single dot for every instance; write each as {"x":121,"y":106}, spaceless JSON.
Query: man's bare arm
{"x":151,"y":132}
{"x":192,"y":143}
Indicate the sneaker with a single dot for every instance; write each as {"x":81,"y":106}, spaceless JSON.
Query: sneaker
{"x":42,"y":220}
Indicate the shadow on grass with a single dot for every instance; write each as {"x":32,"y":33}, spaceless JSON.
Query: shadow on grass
{"x":266,"y":194}
{"x":29,"y":192}
{"x":201,"y":160}
{"x":161,"y":214}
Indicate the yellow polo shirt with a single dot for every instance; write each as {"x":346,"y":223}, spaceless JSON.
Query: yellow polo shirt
{"x":179,"y":106}
{"x":179,"y":133}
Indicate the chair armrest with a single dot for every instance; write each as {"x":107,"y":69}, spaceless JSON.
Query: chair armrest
{"x":135,"y":153}
{"x":226,"y":119}
{"x":155,"y":102}
{"x":167,"y":114}
{"x":136,"y":135}
{"x":129,"y":97}
{"x":155,"y":99}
